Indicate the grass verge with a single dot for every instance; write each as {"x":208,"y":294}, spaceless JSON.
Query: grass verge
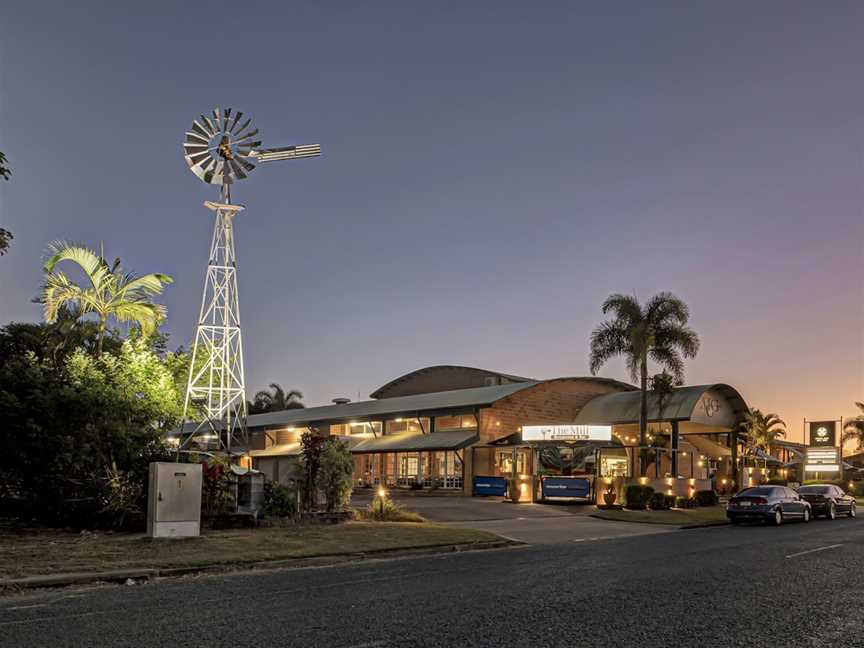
{"x":49,"y":552}
{"x":678,"y":517}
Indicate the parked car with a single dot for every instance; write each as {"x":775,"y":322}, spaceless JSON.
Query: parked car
{"x":773,"y":504}
{"x":828,"y":500}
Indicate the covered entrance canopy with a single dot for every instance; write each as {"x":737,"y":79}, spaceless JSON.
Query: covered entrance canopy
{"x":706,"y":416}
{"x":699,"y":408}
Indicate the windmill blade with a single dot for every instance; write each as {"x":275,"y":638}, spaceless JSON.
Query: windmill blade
{"x":199,"y":130}
{"x":236,"y":170}
{"x":246,"y":149}
{"x":201,"y":123}
{"x":246,"y":164}
{"x":210,"y":125}
{"x":237,"y":117}
{"x":225,"y":119}
{"x":246,"y":136}
{"x":287,"y":153}
{"x":194,"y":138}
{"x":243,"y":127}
{"x":217,"y":120}
{"x":194,"y":148}
{"x":196,"y":158}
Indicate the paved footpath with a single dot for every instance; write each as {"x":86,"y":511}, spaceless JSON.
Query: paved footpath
{"x":796,"y":585}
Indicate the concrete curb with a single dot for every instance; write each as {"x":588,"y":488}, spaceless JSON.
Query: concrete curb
{"x":705,"y":525}
{"x":695,"y":525}
{"x":121,"y":576}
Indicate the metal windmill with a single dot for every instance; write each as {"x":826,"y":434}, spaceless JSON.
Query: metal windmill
{"x":220,"y":150}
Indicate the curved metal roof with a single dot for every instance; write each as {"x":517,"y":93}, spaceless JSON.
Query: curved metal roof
{"x":463,"y":378}
{"x":623,"y":407}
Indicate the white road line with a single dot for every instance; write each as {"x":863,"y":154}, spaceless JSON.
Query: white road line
{"x":809,"y":551}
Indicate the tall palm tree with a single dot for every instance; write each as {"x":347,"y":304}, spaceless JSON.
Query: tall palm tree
{"x":276,"y":399}
{"x":853,"y":428}
{"x":657,"y":332}
{"x":761,"y":430}
{"x":109,"y":290}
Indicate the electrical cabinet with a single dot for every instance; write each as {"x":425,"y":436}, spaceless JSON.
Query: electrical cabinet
{"x":174,"y":500}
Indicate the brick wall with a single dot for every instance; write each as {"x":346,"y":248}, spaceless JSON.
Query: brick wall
{"x":554,"y":401}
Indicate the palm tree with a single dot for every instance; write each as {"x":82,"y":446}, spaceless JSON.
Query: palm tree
{"x":761,"y":430}
{"x":657,"y":331}
{"x":276,"y":399}
{"x":853,"y":428}
{"x":110,"y":292}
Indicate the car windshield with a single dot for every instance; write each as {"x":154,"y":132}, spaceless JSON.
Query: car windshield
{"x":752,"y":492}
{"x":818,"y":490}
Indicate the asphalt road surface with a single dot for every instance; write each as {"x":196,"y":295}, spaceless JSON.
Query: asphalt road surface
{"x":796,"y":585}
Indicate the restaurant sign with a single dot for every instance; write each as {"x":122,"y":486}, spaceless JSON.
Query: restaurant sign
{"x":823,"y":433}
{"x":567,"y":433}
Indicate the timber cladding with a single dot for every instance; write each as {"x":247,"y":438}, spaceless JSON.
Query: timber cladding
{"x":552,"y":401}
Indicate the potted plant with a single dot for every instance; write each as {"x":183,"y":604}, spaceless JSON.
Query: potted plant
{"x":609,"y":495}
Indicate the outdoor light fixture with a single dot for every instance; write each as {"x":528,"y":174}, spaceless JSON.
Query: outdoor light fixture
{"x":382,"y":492}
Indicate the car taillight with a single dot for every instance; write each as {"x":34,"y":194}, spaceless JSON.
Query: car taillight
{"x":760,"y":500}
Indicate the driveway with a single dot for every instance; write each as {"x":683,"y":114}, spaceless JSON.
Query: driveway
{"x":531,"y":523}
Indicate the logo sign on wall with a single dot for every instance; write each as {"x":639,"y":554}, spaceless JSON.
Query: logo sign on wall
{"x":823,"y":433}
{"x":567,"y":433}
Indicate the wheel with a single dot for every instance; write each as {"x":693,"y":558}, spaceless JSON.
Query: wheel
{"x":806,"y":517}
{"x":832,"y":512}
{"x":852,"y":512}
{"x":778,"y":517}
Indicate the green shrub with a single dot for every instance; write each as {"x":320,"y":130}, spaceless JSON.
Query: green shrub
{"x":384,"y":509}
{"x":706,"y":498}
{"x":637,"y":496}
{"x":658,"y":502}
{"x":335,"y":476}
{"x":280,"y":500}
{"x":670,"y":501}
{"x":777,"y":481}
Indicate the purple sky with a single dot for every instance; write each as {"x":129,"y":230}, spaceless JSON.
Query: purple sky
{"x":491,"y":174}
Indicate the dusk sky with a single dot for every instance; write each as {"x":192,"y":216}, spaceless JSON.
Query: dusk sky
{"x":491,"y":172}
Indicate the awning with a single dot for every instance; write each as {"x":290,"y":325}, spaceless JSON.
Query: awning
{"x":709,"y":448}
{"x":417,"y":442}
{"x":279,"y":450}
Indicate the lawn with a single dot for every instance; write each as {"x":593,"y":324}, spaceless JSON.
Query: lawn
{"x":48,"y":552}
{"x":678,"y":517}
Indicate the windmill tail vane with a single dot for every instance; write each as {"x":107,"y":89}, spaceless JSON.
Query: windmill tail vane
{"x":221,"y":148}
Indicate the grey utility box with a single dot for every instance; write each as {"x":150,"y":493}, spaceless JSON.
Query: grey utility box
{"x":174,"y":500}
{"x":250,"y":492}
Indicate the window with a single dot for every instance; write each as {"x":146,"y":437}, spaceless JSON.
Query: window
{"x":462,"y":422}
{"x":408,"y":425}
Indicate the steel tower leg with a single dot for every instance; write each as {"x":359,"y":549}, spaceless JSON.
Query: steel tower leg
{"x":215,"y":391}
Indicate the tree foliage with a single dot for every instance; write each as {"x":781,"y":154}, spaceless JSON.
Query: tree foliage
{"x":336,"y":474}
{"x":5,"y":235}
{"x":853,"y":428}
{"x":109,"y":291}
{"x":311,"y":447}
{"x":760,"y":430}
{"x":78,"y":431}
{"x":275,"y":399}
{"x":656,"y":332}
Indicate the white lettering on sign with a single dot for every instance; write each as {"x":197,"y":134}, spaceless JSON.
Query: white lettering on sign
{"x":567,"y":433}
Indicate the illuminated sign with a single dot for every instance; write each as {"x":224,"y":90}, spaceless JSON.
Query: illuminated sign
{"x":567,"y":433}
{"x":823,"y":433}
{"x":822,"y":459}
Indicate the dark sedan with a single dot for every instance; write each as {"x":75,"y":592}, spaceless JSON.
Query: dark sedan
{"x":773,"y":504}
{"x":828,"y":500}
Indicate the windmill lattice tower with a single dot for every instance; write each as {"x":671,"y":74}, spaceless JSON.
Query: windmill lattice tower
{"x":221,"y":149}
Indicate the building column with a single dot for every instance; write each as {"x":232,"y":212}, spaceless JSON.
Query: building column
{"x":674,"y":470}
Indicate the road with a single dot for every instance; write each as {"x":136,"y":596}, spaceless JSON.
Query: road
{"x":796,"y":585}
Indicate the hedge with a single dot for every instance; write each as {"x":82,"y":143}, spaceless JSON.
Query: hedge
{"x":637,"y":496}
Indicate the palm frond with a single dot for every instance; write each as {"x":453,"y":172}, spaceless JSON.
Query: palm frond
{"x":665,"y":307}
{"x":608,"y":340}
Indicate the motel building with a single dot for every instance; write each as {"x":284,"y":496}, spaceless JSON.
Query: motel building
{"x":467,"y":431}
